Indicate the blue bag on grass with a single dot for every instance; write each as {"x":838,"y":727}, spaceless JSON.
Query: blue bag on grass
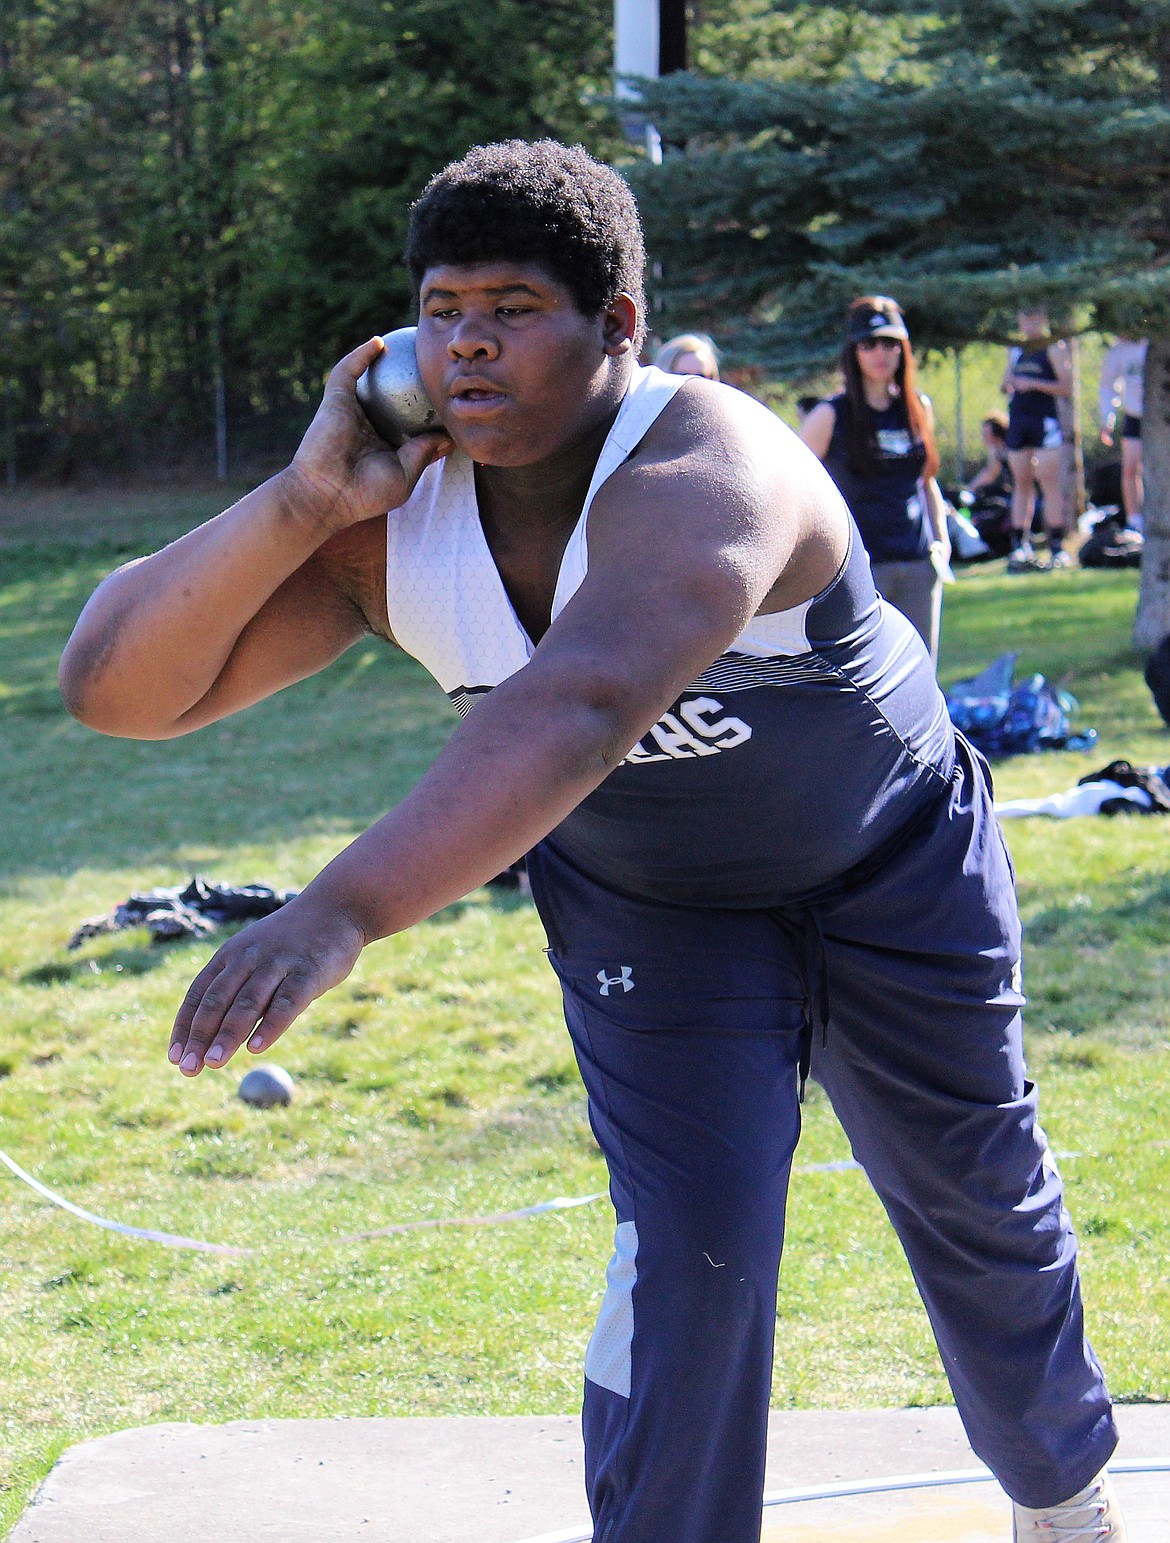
{"x":1001,"y":718}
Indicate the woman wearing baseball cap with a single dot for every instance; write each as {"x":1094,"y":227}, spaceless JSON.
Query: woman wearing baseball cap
{"x":876,"y":439}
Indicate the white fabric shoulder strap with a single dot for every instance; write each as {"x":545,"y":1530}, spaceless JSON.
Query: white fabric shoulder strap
{"x":650,"y":391}
{"x":445,"y":601}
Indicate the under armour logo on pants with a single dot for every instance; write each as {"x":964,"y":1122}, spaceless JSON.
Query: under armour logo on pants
{"x":625,"y":980}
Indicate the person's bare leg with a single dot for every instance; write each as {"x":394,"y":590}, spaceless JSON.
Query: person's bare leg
{"x":1050,"y":474}
{"x":1023,"y":501}
{"x":1132,"y":492}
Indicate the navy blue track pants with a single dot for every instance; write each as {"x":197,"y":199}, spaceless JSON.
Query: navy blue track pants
{"x":687,"y":1024}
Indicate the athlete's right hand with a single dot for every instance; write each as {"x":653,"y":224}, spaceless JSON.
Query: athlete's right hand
{"x":260,"y":981}
{"x":343,"y":472}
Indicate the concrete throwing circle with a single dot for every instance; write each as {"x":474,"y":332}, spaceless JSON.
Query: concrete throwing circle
{"x":970,"y":1508}
{"x":967,"y":1506}
{"x":943,"y":1515}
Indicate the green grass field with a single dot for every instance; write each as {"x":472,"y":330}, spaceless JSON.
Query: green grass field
{"x":438,"y":1081}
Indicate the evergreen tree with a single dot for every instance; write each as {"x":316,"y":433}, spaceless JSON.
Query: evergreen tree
{"x":1014,"y":152}
{"x":761,"y":40}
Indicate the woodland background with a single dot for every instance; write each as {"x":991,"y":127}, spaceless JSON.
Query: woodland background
{"x":202,"y":204}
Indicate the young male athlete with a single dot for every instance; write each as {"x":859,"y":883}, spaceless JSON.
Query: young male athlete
{"x":753,"y":835}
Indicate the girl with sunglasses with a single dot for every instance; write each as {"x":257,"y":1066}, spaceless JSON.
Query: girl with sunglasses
{"x":876,"y":439}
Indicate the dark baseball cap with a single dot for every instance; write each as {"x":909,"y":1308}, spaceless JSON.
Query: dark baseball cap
{"x":881,"y":318}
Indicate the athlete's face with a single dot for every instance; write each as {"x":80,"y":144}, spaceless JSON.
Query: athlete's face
{"x":515,"y":370}
{"x":1033,"y":324}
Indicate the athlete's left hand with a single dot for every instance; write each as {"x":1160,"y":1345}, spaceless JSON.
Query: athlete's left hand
{"x":261,"y":981}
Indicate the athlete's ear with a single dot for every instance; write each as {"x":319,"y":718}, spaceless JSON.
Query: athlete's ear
{"x":620,"y":324}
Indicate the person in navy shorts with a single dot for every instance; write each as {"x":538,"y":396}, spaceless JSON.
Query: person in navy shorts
{"x":1037,"y":382}
{"x":758,"y":848}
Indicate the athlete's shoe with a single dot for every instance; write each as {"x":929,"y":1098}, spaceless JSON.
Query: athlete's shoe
{"x":1025,"y":561}
{"x":1060,"y":559}
{"x":1089,"y":1517}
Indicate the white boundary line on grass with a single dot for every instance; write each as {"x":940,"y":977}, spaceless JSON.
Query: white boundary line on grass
{"x":841,"y":1491}
{"x":172,"y":1240}
{"x":425,"y":1224}
{"x":175,"y":1240}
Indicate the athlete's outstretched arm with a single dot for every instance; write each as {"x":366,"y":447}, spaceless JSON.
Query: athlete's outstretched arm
{"x":248,"y":602}
{"x":723,"y":510}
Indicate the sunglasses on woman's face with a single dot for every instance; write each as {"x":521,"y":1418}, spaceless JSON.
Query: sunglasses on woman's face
{"x":867,"y":345}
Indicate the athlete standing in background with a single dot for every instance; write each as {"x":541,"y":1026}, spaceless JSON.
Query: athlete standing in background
{"x":753,"y":835}
{"x":876,"y":439}
{"x":1120,"y":397}
{"x":1037,"y":378}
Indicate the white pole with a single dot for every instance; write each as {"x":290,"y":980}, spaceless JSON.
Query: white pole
{"x":635,"y":41}
{"x":636,"y":33}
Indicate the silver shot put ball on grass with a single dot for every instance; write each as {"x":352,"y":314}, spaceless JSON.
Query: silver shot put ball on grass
{"x":264,"y":1087}
{"x":391,"y":391}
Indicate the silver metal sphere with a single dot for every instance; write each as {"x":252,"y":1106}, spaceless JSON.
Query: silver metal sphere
{"x":391,"y":391}
{"x":266,"y":1086}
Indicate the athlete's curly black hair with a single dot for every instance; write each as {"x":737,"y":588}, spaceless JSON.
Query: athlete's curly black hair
{"x":542,"y":203}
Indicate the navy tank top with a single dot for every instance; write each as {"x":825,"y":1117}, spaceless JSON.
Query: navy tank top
{"x":1031,"y":407}
{"x":800,"y":753}
{"x":771,"y":778}
{"x":886,"y":503}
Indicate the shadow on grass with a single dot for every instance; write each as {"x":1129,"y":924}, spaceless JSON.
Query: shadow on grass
{"x":136,"y":960}
{"x":506,"y":901}
{"x":1144,"y":918}
{"x":331,"y":754}
{"x":130,"y":961}
{"x":1102,"y":969}
{"x":1068,"y":626}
